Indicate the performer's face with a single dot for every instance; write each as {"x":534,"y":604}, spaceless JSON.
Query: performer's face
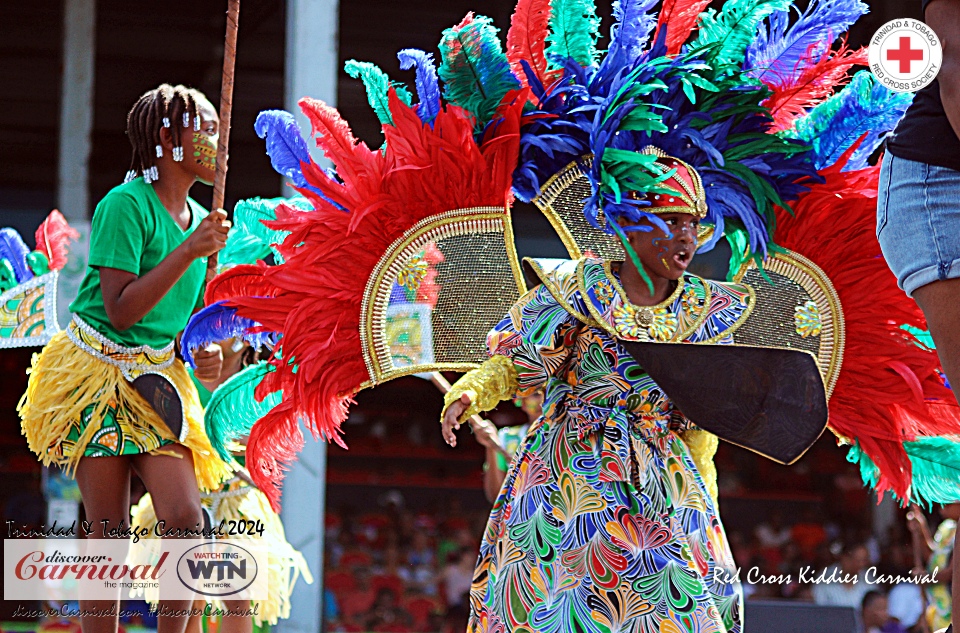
{"x":200,"y":147}
{"x":663,"y":254}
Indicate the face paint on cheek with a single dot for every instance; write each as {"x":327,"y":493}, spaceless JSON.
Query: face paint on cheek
{"x":662,"y":249}
{"x":205,"y":150}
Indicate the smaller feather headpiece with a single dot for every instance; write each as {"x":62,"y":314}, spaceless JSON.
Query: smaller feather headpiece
{"x":53,"y":239}
{"x":234,"y":408}
{"x":219,"y":322}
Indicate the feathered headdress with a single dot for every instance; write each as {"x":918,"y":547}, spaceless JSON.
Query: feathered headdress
{"x":743,"y":96}
{"x":28,"y":282}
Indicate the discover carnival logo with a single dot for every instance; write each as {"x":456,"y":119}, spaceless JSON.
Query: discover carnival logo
{"x":905,"y":55}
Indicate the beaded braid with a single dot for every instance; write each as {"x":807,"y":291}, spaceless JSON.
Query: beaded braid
{"x":175,"y":107}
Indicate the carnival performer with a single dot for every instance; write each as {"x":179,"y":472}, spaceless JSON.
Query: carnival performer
{"x":612,"y":507}
{"x":239,"y":500}
{"x":607,"y":518}
{"x":228,"y":401}
{"x":109,"y":397}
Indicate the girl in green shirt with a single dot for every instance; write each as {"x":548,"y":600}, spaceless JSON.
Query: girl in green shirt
{"x":108,"y":396}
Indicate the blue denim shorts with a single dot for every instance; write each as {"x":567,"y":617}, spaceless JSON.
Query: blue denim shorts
{"x":918,"y":221}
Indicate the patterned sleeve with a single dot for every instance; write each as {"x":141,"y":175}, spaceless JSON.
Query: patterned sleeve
{"x":537,"y":335}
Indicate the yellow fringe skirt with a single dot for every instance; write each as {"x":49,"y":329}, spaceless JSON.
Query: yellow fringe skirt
{"x":80,"y":403}
{"x":239,"y":501}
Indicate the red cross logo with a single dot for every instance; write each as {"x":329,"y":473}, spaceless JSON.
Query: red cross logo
{"x":905,"y":55}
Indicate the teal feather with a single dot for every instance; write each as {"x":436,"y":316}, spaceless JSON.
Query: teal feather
{"x":574,"y":30}
{"x":935,"y":465}
{"x":474,"y":68}
{"x":727,"y":34}
{"x":249,"y":239}
{"x":378,"y":86}
{"x":233,"y":408}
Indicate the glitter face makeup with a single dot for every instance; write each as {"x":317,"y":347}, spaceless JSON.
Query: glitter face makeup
{"x":205,"y":150}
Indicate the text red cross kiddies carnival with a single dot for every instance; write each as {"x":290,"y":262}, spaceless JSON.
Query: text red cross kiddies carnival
{"x":905,"y":54}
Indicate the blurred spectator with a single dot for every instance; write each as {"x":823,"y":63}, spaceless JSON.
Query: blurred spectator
{"x":905,"y":604}
{"x":773,"y":533}
{"x":386,"y":614}
{"x":420,"y":552}
{"x":874,"y":616}
{"x":458,"y":576}
{"x":854,"y":561}
{"x":462,"y":538}
{"x":420,"y":571}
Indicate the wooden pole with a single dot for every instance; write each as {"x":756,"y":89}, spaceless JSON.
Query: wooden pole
{"x":226,"y":104}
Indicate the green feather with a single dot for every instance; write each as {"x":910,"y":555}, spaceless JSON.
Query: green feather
{"x":378,"y":85}
{"x":249,"y":240}
{"x":739,"y":241}
{"x":935,"y":465}
{"x":728,"y":33}
{"x":475,"y":71}
{"x":233,"y":409}
{"x":574,"y":30}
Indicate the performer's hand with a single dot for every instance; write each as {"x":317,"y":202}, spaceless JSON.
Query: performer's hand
{"x":916,"y":521}
{"x":485,"y":432}
{"x":451,"y":421}
{"x":210,"y":235}
{"x":209,"y":362}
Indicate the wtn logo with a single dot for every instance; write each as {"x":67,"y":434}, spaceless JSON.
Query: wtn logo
{"x":219,"y":569}
{"x":224,"y":568}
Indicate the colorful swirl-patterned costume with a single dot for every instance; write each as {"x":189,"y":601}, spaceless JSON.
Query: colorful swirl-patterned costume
{"x":604,"y":521}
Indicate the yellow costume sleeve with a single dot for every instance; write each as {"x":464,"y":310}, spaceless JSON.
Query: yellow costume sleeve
{"x":703,"y":446}
{"x":487,"y":385}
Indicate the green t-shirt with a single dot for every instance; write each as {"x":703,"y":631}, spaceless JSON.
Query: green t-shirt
{"x":202,"y":391}
{"x":133,"y":231}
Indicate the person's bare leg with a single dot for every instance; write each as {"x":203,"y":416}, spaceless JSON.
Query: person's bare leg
{"x":173,"y":488}
{"x":940,"y":302}
{"x":104,"y":484}
{"x":236,"y":623}
{"x":195,"y":624}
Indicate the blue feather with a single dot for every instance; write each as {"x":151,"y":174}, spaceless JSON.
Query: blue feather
{"x":15,"y":251}
{"x":777,"y":51}
{"x":285,"y":145}
{"x":218,"y":322}
{"x":631,"y":30}
{"x":428,"y":89}
{"x":864,"y":106}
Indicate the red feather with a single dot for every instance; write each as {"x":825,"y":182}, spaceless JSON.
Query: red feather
{"x":313,"y":299}
{"x":679,"y":17}
{"x":526,"y":39}
{"x":889,"y":390}
{"x":796,"y":93}
{"x":53,"y":239}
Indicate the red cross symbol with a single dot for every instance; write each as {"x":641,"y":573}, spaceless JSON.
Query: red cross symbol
{"x":905,"y":54}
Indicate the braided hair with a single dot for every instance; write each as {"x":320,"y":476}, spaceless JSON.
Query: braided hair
{"x":175,"y":107}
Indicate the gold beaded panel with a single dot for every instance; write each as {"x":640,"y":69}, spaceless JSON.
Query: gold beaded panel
{"x":474,"y":286}
{"x":800,"y":310}
{"x":561,"y":201}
